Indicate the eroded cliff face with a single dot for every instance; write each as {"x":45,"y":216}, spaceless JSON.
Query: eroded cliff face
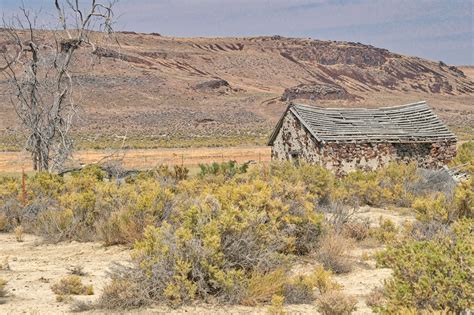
{"x":294,"y":142}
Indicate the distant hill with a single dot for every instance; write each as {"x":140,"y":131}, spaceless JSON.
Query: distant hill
{"x":158,"y":86}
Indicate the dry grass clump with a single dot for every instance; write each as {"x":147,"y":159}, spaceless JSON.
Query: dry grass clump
{"x":356,"y":230}
{"x":333,"y":253}
{"x":3,"y":222}
{"x":124,"y":294}
{"x":300,"y":289}
{"x":336,"y":303}
{"x":277,"y":305}
{"x":3,"y":290}
{"x":262,"y":288}
{"x":19,"y":233}
{"x":5,"y":265}
{"x":375,"y":298}
{"x":70,"y":285}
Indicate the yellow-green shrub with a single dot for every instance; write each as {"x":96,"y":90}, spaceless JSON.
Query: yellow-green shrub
{"x":386,"y":232}
{"x":71,"y":285}
{"x":219,"y":237}
{"x":433,"y":273}
{"x":464,"y":154}
{"x":262,"y":287}
{"x":439,"y":208}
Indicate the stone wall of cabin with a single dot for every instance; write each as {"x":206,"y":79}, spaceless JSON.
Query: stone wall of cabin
{"x":294,"y":142}
{"x":293,"y":139}
{"x":344,"y":157}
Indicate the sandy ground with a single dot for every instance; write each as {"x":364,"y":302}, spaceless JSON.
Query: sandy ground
{"x":11,"y":162}
{"x":34,"y":266}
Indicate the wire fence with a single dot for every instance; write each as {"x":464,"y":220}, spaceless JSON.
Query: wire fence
{"x":13,"y":162}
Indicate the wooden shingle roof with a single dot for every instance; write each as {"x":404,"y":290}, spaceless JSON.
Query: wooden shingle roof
{"x":406,"y":123}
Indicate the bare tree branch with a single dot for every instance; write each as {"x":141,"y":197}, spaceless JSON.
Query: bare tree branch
{"x":40,"y":77}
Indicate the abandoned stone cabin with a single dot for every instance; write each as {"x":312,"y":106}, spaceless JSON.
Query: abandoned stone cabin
{"x":345,"y":139}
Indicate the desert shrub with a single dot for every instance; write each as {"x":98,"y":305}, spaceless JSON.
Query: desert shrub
{"x":218,"y":240}
{"x":262,"y":287}
{"x":227,"y":169}
{"x":358,"y":188}
{"x":464,"y":154}
{"x":431,"y":274}
{"x":438,"y":207}
{"x":336,"y":303}
{"x":77,"y":270}
{"x":333,"y":253}
{"x":375,"y":298}
{"x":396,"y":184}
{"x":3,"y":290}
{"x":432,"y":208}
{"x":357,"y":230}
{"x":299,"y":289}
{"x":276,"y":306}
{"x":385,"y":232}
{"x":432,"y":182}
{"x":426,"y":230}
{"x":3,"y":222}
{"x":463,"y":202}
{"x":395,"y":180}
{"x":123,"y":293}
{"x":10,"y":204}
{"x":71,"y":285}
{"x":317,"y":180}
{"x":19,"y":233}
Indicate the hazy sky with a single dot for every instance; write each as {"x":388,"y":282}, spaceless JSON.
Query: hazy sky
{"x":433,"y":29}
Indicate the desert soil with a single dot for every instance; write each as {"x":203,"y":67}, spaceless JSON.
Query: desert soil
{"x":33,"y":266}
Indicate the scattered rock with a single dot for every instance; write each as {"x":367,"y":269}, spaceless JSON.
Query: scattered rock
{"x":457,"y":72}
{"x":315,"y":91}
{"x":212,"y":84}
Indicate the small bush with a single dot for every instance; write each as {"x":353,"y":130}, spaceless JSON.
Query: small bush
{"x":358,"y":231}
{"x":276,"y":307}
{"x":333,"y":253}
{"x":261,"y":288}
{"x":19,"y":233}
{"x":3,"y":222}
{"x":3,"y":290}
{"x":122,"y":293}
{"x":439,"y":208}
{"x":386,"y":232}
{"x":226,"y":169}
{"x":77,"y":270}
{"x":71,"y":285}
{"x":376,"y":298}
{"x":464,"y":154}
{"x":432,"y":208}
{"x":431,"y":274}
{"x":463,"y":202}
{"x":336,"y":303}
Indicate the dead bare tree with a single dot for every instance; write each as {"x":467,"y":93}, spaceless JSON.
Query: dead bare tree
{"x":38,"y":66}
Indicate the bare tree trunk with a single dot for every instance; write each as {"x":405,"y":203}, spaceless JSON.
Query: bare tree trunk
{"x":38,"y":71}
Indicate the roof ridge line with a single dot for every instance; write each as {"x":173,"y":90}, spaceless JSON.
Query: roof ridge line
{"x":359,"y":108}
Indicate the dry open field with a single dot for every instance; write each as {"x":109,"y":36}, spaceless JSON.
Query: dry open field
{"x":14,"y":162}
